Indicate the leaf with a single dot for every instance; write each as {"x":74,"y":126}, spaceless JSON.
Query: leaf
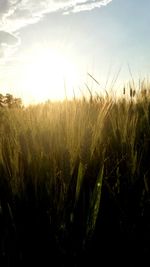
{"x":94,"y":204}
{"x":81,"y":172}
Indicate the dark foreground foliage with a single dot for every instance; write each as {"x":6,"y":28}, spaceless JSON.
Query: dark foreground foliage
{"x":75,"y":184}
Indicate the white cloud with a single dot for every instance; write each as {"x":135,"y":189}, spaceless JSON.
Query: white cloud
{"x":16,"y":14}
{"x":8,"y":44}
{"x":88,"y":5}
{"x":8,"y":39}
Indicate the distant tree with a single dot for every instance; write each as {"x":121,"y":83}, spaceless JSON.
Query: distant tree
{"x":9,"y":101}
{"x":17,"y":103}
{"x":1,"y":100}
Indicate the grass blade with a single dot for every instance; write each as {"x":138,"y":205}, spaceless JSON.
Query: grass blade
{"x":94,"y":204}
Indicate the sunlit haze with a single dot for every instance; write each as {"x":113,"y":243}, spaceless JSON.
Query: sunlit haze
{"x":48,"y":73}
{"x":47,"y":48}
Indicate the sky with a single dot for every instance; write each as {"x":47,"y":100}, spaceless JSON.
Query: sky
{"x":48,"y":48}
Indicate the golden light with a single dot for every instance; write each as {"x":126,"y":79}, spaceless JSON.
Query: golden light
{"x":49,"y":74}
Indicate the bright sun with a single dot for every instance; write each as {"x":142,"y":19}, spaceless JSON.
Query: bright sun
{"x":49,"y":74}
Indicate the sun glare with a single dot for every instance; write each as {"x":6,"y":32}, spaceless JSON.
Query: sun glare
{"x":49,"y":74}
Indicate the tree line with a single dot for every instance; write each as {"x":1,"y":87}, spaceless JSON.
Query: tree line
{"x":10,"y":101}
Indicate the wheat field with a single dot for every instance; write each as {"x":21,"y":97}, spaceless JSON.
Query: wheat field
{"x":75,"y":182}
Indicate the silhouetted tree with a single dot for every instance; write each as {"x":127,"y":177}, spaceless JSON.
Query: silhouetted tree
{"x":9,"y":101}
{"x":1,"y":100}
{"x":17,"y":103}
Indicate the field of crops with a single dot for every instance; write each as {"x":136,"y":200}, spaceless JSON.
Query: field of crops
{"x":75,"y":183}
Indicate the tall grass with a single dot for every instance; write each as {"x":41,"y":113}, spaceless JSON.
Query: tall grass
{"x":70,"y":173}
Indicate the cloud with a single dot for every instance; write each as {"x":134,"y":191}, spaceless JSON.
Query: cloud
{"x":87,"y":6}
{"x":16,"y":14}
{"x":8,"y":44}
{"x":8,"y":39}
